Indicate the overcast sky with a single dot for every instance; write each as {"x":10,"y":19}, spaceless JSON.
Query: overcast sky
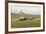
{"x":26,"y":9}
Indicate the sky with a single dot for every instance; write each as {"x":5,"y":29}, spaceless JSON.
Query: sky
{"x":26,"y":9}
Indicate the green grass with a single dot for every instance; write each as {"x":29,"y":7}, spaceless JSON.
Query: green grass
{"x":25,"y":23}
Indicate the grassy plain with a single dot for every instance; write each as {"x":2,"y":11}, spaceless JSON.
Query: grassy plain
{"x":25,"y":23}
